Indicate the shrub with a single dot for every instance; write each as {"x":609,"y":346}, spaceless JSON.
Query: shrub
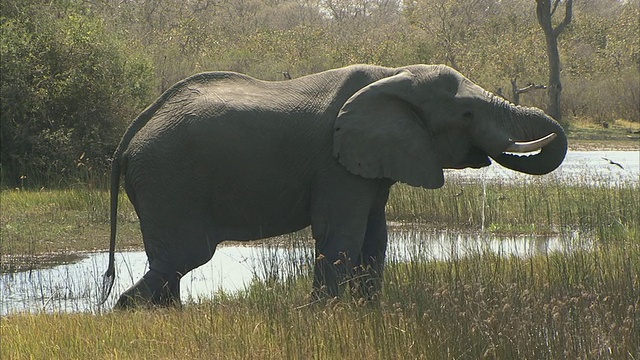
{"x":68,"y":89}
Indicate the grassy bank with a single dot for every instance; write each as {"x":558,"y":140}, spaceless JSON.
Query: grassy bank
{"x":38,"y":226}
{"x":581,"y":305}
{"x":585,"y":134}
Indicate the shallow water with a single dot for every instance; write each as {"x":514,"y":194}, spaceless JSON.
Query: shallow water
{"x":74,"y":287}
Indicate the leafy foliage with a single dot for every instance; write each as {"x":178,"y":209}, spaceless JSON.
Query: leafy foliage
{"x":68,"y":88}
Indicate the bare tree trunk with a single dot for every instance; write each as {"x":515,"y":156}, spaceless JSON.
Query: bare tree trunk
{"x":544,"y":11}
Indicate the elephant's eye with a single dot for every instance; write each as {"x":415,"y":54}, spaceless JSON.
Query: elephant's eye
{"x":468,"y":115}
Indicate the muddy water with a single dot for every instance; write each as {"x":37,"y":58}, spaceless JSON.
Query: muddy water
{"x":74,"y":287}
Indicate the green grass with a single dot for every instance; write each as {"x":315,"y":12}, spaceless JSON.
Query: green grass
{"x":537,"y":206}
{"x":48,"y":223}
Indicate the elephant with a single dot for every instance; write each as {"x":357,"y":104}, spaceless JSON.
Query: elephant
{"x":224,"y":156}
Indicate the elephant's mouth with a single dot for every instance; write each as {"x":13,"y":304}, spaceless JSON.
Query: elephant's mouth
{"x":514,"y":152}
{"x":475,"y":158}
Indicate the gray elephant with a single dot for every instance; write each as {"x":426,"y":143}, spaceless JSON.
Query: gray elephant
{"x":223,"y":156}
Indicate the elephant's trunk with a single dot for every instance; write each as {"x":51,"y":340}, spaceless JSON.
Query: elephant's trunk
{"x":531,"y":130}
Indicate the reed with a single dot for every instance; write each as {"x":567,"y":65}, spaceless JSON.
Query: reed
{"x":528,"y":206}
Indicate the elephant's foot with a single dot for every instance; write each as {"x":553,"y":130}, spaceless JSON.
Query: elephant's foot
{"x":321,"y":295}
{"x":366,"y":284}
{"x":328,"y":276}
{"x":153,"y":290}
{"x":362,"y":292}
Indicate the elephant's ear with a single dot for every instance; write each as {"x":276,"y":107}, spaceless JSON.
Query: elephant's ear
{"x":380,"y":134}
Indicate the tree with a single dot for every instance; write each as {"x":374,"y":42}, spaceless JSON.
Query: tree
{"x":545,"y":9}
{"x":349,"y":10}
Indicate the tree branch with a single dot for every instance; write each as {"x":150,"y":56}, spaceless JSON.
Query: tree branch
{"x":555,"y":6}
{"x":530,"y":87}
{"x":568,"y":13}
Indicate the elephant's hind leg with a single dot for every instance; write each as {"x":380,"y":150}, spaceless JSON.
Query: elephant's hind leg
{"x":177,"y":239}
{"x":154,"y":289}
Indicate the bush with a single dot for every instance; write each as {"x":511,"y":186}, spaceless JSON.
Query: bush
{"x":68,"y":90}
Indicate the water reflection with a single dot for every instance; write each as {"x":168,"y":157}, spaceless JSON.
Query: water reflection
{"x":74,"y":287}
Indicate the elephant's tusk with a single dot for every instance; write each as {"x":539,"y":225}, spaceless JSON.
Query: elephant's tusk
{"x":530,"y":146}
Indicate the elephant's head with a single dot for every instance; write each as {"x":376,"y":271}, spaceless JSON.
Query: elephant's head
{"x":410,"y":126}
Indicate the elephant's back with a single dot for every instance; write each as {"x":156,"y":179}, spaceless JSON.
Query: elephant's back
{"x":320,"y":93}
{"x":234,"y":114}
{"x":228,"y":131}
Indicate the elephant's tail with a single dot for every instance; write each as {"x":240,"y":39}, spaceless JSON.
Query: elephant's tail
{"x":110,"y":275}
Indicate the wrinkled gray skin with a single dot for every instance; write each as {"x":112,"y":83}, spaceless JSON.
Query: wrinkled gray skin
{"x":222,"y":156}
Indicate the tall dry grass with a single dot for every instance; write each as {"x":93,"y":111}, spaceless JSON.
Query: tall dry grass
{"x":578,"y":305}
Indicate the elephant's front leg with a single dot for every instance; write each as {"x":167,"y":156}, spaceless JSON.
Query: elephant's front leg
{"x":329,"y":273}
{"x":370,"y":267}
{"x":339,"y":221}
{"x":337,"y":254}
{"x":358,"y":261}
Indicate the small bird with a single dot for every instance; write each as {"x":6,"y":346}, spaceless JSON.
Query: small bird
{"x":614,"y":163}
